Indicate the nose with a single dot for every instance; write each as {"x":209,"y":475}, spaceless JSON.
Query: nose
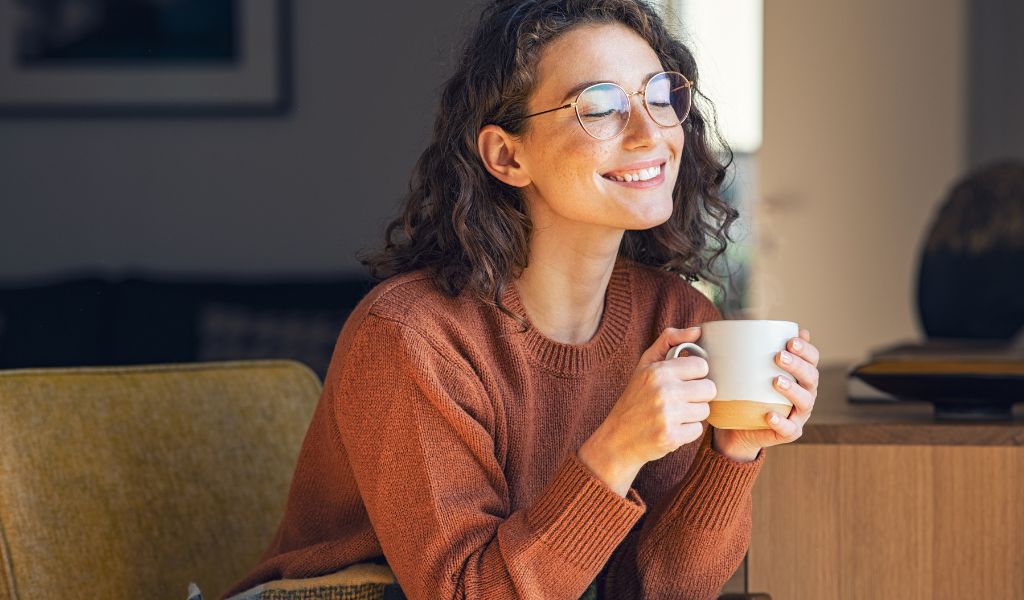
{"x":641,"y":130}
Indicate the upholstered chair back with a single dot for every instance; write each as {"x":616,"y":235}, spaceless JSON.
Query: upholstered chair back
{"x":132,"y":482}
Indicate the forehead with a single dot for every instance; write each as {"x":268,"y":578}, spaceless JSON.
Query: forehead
{"x":598,"y":52}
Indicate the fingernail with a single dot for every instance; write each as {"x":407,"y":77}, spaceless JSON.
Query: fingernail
{"x":774,"y":419}
{"x":786,"y":357}
{"x":783,"y":382}
{"x":797,"y":345}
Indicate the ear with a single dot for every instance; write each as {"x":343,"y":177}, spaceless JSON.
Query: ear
{"x":498,"y":150}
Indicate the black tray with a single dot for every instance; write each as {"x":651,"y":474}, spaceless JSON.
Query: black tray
{"x":961,"y":396}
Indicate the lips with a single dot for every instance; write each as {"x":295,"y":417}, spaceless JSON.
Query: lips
{"x":638,"y":171}
{"x":637,"y":175}
{"x":636,"y":166}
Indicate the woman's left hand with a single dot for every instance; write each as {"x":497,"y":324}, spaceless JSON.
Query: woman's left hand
{"x":801,"y":389}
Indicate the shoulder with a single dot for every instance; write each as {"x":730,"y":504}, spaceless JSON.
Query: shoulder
{"x":415,"y":300}
{"x":410,"y":309}
{"x":406,"y":331}
{"x":403,"y":294}
{"x":671,"y":293}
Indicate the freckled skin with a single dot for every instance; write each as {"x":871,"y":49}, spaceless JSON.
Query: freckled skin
{"x":567,"y":193}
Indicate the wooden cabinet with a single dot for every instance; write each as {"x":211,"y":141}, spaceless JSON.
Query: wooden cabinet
{"x":882,"y":501}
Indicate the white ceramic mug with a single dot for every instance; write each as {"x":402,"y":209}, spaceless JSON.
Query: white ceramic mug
{"x":741,"y":361}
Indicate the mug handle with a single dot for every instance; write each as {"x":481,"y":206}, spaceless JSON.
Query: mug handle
{"x":693,"y":348}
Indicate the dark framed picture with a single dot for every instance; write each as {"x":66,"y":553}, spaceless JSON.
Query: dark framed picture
{"x":144,"y":57}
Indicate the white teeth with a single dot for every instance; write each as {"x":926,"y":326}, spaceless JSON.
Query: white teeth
{"x":641,"y":175}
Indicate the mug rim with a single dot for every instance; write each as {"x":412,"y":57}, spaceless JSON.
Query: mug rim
{"x":750,"y":321}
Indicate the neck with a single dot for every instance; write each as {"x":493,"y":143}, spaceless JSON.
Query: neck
{"x":563,"y":289}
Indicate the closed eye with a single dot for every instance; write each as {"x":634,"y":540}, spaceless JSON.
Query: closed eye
{"x":600,"y":115}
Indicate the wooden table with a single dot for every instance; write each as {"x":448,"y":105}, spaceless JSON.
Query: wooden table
{"x":883,"y":501}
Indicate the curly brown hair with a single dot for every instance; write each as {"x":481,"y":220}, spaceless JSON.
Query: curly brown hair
{"x":470,"y":231}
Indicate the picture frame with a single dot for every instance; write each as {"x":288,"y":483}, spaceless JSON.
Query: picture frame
{"x":201,"y":58}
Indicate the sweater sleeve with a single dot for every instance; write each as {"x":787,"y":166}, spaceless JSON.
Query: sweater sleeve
{"x":417,"y":426}
{"x":695,"y":535}
{"x":690,"y":544}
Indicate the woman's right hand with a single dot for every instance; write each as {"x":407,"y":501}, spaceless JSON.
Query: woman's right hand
{"x":660,"y":410}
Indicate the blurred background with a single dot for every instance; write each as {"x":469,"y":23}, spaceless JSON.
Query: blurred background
{"x":191,"y":180}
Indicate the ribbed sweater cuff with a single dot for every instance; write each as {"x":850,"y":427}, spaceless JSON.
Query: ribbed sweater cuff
{"x":583,"y":519}
{"x":715,"y":489}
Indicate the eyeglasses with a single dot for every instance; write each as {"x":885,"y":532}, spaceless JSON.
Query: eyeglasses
{"x":603,"y":109}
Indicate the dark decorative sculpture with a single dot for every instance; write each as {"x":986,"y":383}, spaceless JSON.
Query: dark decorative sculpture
{"x":971,"y":278}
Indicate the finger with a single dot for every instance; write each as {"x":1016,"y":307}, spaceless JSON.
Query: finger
{"x":693,"y":412}
{"x":805,"y":350}
{"x":669,"y":337}
{"x":685,"y":433}
{"x":802,"y":371}
{"x":697,"y":390}
{"x":686,"y":368}
{"x":786,"y":429}
{"x":805,"y":334}
{"x":803,"y":400}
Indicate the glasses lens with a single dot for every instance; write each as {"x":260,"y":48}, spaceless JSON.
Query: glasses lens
{"x":668,"y":98}
{"x":603,"y":110}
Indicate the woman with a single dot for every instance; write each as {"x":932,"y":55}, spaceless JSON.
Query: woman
{"x":498,"y":420}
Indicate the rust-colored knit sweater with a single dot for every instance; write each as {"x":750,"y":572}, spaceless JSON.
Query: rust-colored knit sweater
{"x":445,"y":440}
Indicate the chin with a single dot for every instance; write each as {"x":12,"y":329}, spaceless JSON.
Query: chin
{"x":654,"y":215}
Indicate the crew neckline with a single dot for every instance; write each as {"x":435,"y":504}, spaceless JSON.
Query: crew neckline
{"x":572,"y":359}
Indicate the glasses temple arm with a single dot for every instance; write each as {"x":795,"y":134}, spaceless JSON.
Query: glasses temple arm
{"x":544,"y":112}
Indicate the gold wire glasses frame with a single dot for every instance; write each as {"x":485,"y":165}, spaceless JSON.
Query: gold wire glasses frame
{"x":687,"y":85}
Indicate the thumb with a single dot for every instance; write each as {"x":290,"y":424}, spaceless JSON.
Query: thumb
{"x":669,"y":337}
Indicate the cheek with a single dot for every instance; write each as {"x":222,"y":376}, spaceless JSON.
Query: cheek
{"x":573,"y":160}
{"x":678,"y":140}
{"x":678,"y":143}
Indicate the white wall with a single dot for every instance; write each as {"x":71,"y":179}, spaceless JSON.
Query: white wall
{"x":299,"y":193}
{"x":865,"y":128}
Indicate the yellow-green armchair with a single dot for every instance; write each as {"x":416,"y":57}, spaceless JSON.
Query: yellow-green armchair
{"x":131,"y":482}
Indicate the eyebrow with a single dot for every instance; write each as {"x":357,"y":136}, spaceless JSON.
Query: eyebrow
{"x":579,"y":87}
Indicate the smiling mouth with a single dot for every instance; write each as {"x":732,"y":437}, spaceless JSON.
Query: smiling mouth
{"x":636,"y":175}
